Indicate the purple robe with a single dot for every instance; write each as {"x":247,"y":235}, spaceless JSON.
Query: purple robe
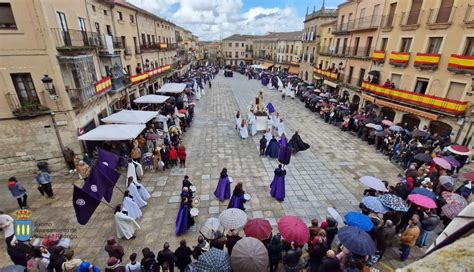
{"x":278,"y":185}
{"x":182,"y":220}
{"x":283,"y":141}
{"x":285,"y":155}
{"x":237,"y":201}
{"x":222,"y":191}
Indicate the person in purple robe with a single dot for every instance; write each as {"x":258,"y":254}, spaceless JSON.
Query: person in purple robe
{"x":184,"y":220}
{"x":222,"y":191}
{"x":237,"y":201}
{"x":283,"y":141}
{"x":278,"y":184}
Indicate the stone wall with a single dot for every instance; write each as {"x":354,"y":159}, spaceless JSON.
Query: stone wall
{"x":25,"y":142}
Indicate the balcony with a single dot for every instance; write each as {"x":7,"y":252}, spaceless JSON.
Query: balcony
{"x":378,"y":56}
{"x":399,"y":59}
{"x":359,"y":52}
{"x":423,"y":101}
{"x":248,"y":49}
{"x":326,"y":73}
{"x":72,"y":40}
{"x":427,"y":61}
{"x":461,"y":64}
{"x":168,"y":46}
{"x":469,"y":17}
{"x":149,"y":47}
{"x":366,"y":23}
{"x":440,"y":18}
{"x":81,"y":96}
{"x":331,"y":51}
{"x":343,"y":29}
{"x":386,"y":24}
{"x":110,"y":45}
{"x":25,"y":109}
{"x":139,"y":78}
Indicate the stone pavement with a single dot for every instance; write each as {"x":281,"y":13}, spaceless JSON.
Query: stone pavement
{"x":324,"y":176}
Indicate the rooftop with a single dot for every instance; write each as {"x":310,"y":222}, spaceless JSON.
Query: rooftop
{"x":322,"y":13}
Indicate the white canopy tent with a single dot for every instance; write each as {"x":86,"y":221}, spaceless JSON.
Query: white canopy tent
{"x":172,"y":88}
{"x":257,"y":66}
{"x":130,"y":117}
{"x":113,"y":133}
{"x":151,"y":99}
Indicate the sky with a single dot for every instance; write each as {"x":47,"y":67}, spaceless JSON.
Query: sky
{"x":217,"y":19}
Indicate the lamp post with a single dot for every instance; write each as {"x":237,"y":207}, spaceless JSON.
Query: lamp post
{"x":49,"y":86}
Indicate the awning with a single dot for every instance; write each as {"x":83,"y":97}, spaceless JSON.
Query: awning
{"x":151,"y":99}
{"x":294,"y":70}
{"x":130,"y":117}
{"x":285,"y":66}
{"x":316,"y":77}
{"x":267,"y":65}
{"x":383,"y":103}
{"x":172,"y":88}
{"x":113,"y":133}
{"x":257,"y":66}
{"x":277,"y":66}
{"x":330,"y":83}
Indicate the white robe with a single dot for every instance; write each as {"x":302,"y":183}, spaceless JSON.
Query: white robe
{"x":198,"y":94}
{"x":164,"y":119}
{"x":125,"y":225}
{"x":131,"y":172}
{"x":280,"y":129}
{"x":132,"y":189}
{"x":244,"y":132}
{"x":145,"y":195}
{"x":268,"y":136}
{"x":238,"y":122}
{"x":253,"y":124}
{"x":131,"y":207}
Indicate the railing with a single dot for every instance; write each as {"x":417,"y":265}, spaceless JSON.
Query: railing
{"x":359,"y":52}
{"x":425,"y":101}
{"x":378,"y":56}
{"x":427,"y":61}
{"x":71,"y":39}
{"x":368,"y":22}
{"x":399,"y":58}
{"x":441,"y":16}
{"x":128,"y":51}
{"x":469,"y":17}
{"x":149,"y":46}
{"x":24,"y":109}
{"x":461,"y":64}
{"x":343,"y":28}
{"x":248,"y":49}
{"x":79,"y":96}
{"x":326,"y":73}
{"x":411,"y":19}
{"x":387,"y":21}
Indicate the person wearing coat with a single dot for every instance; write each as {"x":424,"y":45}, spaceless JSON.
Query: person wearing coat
{"x":43,"y":179}
{"x":292,"y":258}
{"x":166,"y":256}
{"x":384,"y":235}
{"x":114,"y":249}
{"x":124,"y":224}
{"x":409,"y":237}
{"x":275,"y":249}
{"x":237,"y":200}
{"x":428,"y":224}
{"x":183,"y":256}
{"x":330,"y":263}
{"x":182,"y":156}
{"x":231,"y":239}
{"x":18,"y":191}
{"x":114,"y":265}
{"x":173,"y":156}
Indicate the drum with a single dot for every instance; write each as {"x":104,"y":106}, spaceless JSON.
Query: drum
{"x":194,"y":212}
{"x":192,"y":188}
{"x":196,"y":202}
{"x":247,"y":197}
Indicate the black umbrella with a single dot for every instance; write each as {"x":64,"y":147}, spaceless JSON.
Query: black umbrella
{"x":374,"y":73}
{"x":419,"y":133}
{"x":424,"y":157}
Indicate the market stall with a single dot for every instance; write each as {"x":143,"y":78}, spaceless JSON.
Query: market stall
{"x":151,"y":99}
{"x":113,"y":133}
{"x":172,"y":88}
{"x":130,"y":117}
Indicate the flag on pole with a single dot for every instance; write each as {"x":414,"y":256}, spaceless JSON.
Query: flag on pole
{"x":108,"y":157}
{"x":270,"y":108}
{"x":111,"y":177}
{"x":84,"y":205}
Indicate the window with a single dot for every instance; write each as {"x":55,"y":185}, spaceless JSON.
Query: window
{"x":421,"y":85}
{"x":105,"y":12}
{"x":329,"y":30}
{"x":391,"y":15}
{"x":243,"y":45}
{"x":7,"y":20}
{"x":230,"y":44}
{"x":444,"y":12}
{"x":406,"y":45}
{"x":93,"y":8}
{"x":414,"y":12}
{"x":25,"y":89}
{"x":337,"y":45}
{"x":236,"y":44}
{"x":119,"y":15}
{"x":395,"y":79}
{"x":82,"y":24}
{"x":456,"y":90}
{"x":383,"y":44}
{"x":344,"y":46}
{"x":368,"y":46}
{"x":469,"y":49}
{"x":356,"y":46}
{"x":349,"y":76}
{"x":109,"y":30}
{"x":97,"y":27}
{"x":132,"y":18}
{"x":236,"y":54}
{"x":434,"y":45}
{"x":361,"y":77}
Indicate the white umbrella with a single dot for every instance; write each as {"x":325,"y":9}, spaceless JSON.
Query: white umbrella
{"x":210,"y":227}
{"x":233,"y":218}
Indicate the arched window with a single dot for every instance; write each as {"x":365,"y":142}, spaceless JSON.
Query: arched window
{"x":410,"y":121}
{"x":440,"y":128}
{"x":388,"y":113}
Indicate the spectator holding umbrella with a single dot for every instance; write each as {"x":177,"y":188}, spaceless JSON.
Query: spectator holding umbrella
{"x":275,"y":249}
{"x":409,"y":237}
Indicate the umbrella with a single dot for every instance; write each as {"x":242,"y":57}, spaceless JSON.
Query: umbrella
{"x":335,"y":214}
{"x":249,"y":254}
{"x":423,"y":191}
{"x":213,"y":260}
{"x":333,"y":100}
{"x":452,"y":210}
{"x":424,"y":157}
{"x":422,"y":200}
{"x":395,"y":128}
{"x":374,"y":183}
{"x":370,"y":125}
{"x":374,"y":204}
{"x":394,"y":202}
{"x":293,"y":229}
{"x":443,"y":163}
{"x":258,"y":228}
{"x":387,"y":123}
{"x":357,"y":241}
{"x":377,"y":127}
{"x":183,"y":111}
{"x":469,"y":176}
{"x":452,"y":161}
{"x":445,"y":180}
{"x":420,"y":133}
{"x":210,"y":227}
{"x":359,"y":220}
{"x":454,"y":198}
{"x":459,"y":150}
{"x":233,"y":218}
{"x":380,"y":133}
